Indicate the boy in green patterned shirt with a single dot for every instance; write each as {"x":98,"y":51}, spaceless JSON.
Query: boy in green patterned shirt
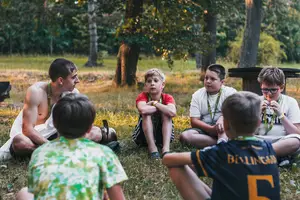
{"x":73,"y":167}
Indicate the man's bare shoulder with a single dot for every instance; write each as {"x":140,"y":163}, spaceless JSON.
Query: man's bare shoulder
{"x":36,"y":93}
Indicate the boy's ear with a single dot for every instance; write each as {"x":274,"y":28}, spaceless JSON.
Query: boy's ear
{"x":163,"y":85}
{"x":226,"y":125}
{"x":60,"y":81}
{"x":282,"y":88}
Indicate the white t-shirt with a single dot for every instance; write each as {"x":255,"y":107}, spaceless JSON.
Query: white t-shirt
{"x":46,"y":130}
{"x":291,"y":110}
{"x":199,"y":107}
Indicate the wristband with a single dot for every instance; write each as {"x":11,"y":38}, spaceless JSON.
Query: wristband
{"x":281,"y":116}
{"x":221,"y":140}
{"x":154,"y":103}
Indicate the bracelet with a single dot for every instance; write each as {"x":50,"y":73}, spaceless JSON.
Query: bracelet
{"x":281,"y":116}
{"x":154,"y":103}
{"x":221,"y":140}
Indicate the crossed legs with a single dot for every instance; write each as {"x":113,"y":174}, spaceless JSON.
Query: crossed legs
{"x":188,"y":184}
{"x":23,"y":146}
{"x":286,"y":146}
{"x":196,"y":139}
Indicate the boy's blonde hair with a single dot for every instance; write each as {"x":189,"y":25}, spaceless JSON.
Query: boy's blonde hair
{"x":243,"y":111}
{"x":155,"y":72}
{"x":271,"y":76}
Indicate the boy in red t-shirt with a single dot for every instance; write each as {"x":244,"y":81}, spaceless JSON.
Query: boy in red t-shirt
{"x":156,"y":110}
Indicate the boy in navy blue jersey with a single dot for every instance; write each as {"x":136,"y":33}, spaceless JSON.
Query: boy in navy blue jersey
{"x":243,"y":168}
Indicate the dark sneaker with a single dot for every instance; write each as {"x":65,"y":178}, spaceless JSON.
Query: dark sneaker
{"x":5,"y":156}
{"x":154,"y":155}
{"x":113,"y":145}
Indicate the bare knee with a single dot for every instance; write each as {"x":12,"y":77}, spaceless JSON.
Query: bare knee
{"x":286,"y":147}
{"x":95,"y":134}
{"x":295,"y":144}
{"x":185,"y":137}
{"x":21,"y":143}
{"x":23,"y":194}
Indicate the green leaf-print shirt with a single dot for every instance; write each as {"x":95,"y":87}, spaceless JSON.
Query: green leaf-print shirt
{"x":73,"y":169}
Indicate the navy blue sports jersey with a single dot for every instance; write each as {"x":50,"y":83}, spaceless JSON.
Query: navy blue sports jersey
{"x":241,"y":169}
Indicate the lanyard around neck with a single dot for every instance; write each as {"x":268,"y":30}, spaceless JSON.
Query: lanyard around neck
{"x":243,"y":138}
{"x":212,"y":115}
{"x":269,"y":125}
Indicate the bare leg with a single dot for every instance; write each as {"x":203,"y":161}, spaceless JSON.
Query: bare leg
{"x":166,"y":132}
{"x":22,"y":145}
{"x":188,"y":184}
{"x":286,"y":146}
{"x":23,"y":194}
{"x":197,"y":140}
{"x":148,"y":131}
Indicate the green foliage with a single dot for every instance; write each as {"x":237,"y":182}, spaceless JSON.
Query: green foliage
{"x":269,"y":50}
{"x":282,"y":21}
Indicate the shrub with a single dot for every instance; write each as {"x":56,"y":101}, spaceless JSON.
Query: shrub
{"x":269,"y":50}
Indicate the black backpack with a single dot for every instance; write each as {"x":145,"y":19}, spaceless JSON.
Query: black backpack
{"x":5,"y":87}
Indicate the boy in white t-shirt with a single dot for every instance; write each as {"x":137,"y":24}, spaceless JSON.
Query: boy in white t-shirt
{"x":280,"y":120}
{"x":205,"y":110}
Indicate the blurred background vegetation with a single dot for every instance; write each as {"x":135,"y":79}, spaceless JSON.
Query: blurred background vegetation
{"x":172,"y":29}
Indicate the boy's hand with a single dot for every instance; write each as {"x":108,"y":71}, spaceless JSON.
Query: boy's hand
{"x":264,"y":105}
{"x":150,"y":103}
{"x":219,"y":128}
{"x":276,"y":107}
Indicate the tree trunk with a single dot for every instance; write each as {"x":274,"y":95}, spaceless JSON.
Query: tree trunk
{"x":129,"y":52}
{"x":127,"y":64}
{"x":92,"y":61}
{"x":198,"y":58}
{"x":51,"y":45}
{"x":210,"y":27}
{"x":249,"y":48}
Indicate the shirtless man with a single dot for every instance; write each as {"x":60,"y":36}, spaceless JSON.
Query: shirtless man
{"x":33,"y":126}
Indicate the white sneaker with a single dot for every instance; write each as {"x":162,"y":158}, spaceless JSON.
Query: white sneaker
{"x":5,"y":156}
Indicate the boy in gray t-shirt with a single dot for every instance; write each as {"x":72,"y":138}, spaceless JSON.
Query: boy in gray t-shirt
{"x":280,"y":119}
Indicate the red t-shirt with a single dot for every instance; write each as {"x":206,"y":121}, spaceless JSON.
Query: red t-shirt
{"x":166,"y":98}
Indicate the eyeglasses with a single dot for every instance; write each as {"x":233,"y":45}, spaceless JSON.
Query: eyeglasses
{"x":271,"y":90}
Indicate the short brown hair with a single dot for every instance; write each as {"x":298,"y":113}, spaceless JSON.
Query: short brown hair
{"x":271,"y":76}
{"x":155,"y":72}
{"x":243,"y":112}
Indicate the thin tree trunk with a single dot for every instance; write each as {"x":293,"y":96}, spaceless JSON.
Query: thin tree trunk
{"x":10,"y":45}
{"x":129,"y":53}
{"x":198,"y":58}
{"x":210,"y":27}
{"x":249,"y":48}
{"x":51,"y":45}
{"x":92,"y":61}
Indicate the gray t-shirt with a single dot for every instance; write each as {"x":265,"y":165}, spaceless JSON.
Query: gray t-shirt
{"x":199,"y":107}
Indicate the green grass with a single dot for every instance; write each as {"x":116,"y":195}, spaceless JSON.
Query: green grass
{"x":147,"y":179}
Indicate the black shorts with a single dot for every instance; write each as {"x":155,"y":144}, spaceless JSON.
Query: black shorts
{"x":138,"y":135}
{"x":14,"y":155}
